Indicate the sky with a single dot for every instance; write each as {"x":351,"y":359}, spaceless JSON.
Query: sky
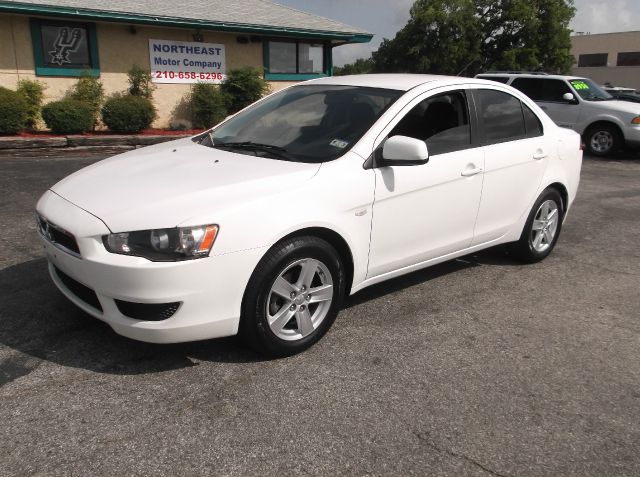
{"x":385,"y":17}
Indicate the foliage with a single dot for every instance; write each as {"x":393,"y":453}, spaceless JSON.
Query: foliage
{"x":33,"y":94}
{"x":242,"y":87}
{"x":140,"y":82}
{"x":90,"y":91}
{"x":359,"y":67}
{"x":208,"y":105}
{"x":68,"y":116}
{"x":128,"y":113}
{"x":13,"y":111}
{"x":472,"y":36}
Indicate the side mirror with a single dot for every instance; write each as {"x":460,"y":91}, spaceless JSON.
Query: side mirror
{"x":404,"y":151}
{"x":569,"y":97}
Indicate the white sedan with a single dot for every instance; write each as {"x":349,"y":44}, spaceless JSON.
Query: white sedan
{"x":262,"y":225}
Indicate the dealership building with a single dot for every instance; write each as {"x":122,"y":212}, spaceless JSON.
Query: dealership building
{"x":56,"y":41}
{"x":608,"y":57}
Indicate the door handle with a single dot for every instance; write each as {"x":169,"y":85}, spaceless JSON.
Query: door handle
{"x":471,"y":172}
{"x":544,"y":108}
{"x":539,"y":154}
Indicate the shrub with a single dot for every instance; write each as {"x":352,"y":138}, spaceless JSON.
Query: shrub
{"x":127,"y":113}
{"x":208,"y":104}
{"x":33,"y":94}
{"x":68,"y":116}
{"x":89,"y":90}
{"x":13,"y":111}
{"x":140,"y":82}
{"x":243,"y":86}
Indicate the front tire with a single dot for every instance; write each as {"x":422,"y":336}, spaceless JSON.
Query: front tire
{"x":602,"y":140}
{"x":293,"y":296}
{"x":542,"y":229}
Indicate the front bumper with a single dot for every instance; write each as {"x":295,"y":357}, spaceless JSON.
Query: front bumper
{"x":208,"y":291}
{"x":632,"y":135}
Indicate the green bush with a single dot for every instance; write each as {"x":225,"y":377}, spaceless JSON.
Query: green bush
{"x":89,"y":90}
{"x":242,"y":87}
{"x":208,"y":104}
{"x":68,"y":116}
{"x":127,"y":113}
{"x":13,"y":112}
{"x":140,"y":82}
{"x":33,"y":94}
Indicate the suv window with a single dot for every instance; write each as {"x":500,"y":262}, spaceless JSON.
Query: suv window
{"x":541,"y":89}
{"x":442,"y":121}
{"x":501,"y":117}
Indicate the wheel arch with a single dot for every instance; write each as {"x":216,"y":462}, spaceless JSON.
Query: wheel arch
{"x":336,"y":240}
{"x":564,"y":193}
{"x":605,"y":122}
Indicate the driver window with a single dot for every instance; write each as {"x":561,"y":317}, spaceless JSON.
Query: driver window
{"x":442,"y":121}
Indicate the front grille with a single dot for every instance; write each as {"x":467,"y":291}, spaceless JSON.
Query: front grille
{"x":57,"y":235}
{"x":81,"y":291}
{"x":147,"y":311}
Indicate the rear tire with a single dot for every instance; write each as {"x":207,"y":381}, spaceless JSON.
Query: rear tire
{"x":542,"y":229}
{"x":602,"y":139}
{"x":293,"y":296}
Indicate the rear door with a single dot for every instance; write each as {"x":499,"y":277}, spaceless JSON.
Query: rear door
{"x":515,"y":158}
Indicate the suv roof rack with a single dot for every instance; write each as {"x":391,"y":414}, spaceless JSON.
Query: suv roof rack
{"x":516,"y":73}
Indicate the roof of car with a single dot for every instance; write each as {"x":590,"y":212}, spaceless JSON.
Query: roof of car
{"x":400,"y":81}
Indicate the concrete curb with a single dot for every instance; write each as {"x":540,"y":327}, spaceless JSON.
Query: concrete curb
{"x":107,"y":144}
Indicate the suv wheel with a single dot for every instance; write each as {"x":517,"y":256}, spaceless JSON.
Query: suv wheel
{"x":602,"y":139}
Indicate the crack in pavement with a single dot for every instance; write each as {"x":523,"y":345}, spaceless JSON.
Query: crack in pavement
{"x":430,"y":444}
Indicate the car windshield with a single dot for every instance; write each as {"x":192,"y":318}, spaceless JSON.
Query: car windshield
{"x":308,"y":123}
{"x":589,"y":91}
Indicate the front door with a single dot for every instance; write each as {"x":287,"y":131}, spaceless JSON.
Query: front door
{"x":427,"y":211}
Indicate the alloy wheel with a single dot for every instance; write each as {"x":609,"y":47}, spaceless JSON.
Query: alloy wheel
{"x":299,"y":299}
{"x":545,"y":226}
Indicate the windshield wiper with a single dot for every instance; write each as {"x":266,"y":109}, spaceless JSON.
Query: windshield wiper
{"x":271,"y":148}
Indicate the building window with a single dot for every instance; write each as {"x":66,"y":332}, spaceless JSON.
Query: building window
{"x":295,"y":60}
{"x":593,"y":59}
{"x":64,"y":48}
{"x":629,"y":58}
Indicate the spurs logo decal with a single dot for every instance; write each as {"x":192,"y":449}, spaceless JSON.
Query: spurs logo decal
{"x":67,"y":42}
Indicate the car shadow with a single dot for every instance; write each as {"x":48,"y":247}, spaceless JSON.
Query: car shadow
{"x":42,"y":325}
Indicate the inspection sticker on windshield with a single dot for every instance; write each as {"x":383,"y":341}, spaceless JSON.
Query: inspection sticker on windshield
{"x":339,"y":143}
{"x":578,"y":85}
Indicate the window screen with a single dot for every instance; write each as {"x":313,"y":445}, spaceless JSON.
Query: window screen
{"x":282,"y":57}
{"x":629,"y":58}
{"x":593,"y":59}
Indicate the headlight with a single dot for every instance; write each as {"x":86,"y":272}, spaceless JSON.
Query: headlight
{"x":164,"y":245}
{"x":636,"y":120}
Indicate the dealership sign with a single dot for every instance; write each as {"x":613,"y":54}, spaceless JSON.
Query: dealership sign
{"x":186,"y":62}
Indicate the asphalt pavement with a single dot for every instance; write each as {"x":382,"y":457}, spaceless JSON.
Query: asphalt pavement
{"x":479,"y":366}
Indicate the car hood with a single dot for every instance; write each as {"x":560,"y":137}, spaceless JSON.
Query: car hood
{"x":162,"y":186}
{"x":617,"y":105}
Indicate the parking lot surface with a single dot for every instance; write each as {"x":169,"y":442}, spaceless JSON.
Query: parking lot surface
{"x":479,"y":366}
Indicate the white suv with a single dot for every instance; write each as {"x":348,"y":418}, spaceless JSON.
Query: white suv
{"x":605,"y":123}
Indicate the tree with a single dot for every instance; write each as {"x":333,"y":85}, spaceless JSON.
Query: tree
{"x":470,"y":36}
{"x":360,"y":66}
